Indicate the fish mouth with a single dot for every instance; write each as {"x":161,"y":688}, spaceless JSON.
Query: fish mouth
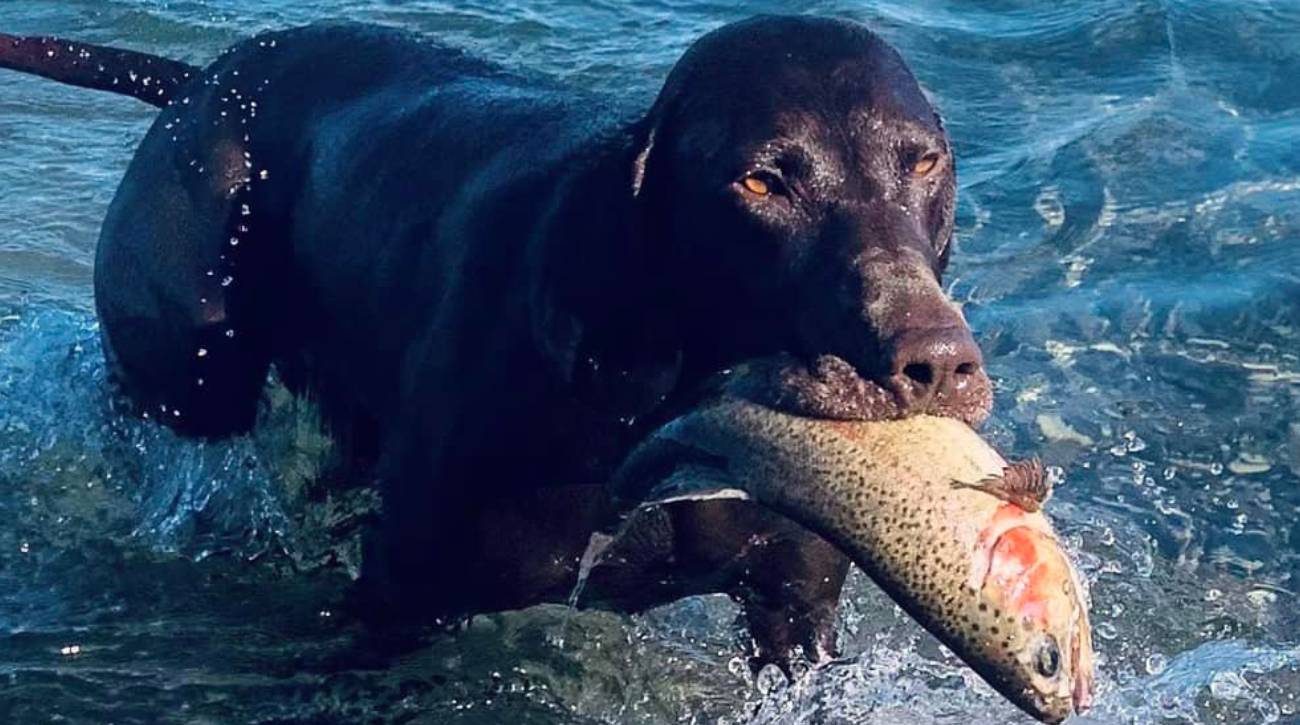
{"x":1081,"y":693}
{"x":1081,"y":652}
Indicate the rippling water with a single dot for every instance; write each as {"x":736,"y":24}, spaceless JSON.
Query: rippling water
{"x":1129,"y":254}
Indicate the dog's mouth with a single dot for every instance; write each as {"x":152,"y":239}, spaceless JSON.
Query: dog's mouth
{"x":829,"y":387}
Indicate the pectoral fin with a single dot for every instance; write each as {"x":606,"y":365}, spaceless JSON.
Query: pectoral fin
{"x":1024,"y":483}
{"x":667,"y":471}
{"x":693,"y":483}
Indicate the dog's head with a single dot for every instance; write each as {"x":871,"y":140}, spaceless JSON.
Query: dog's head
{"x":800,"y":189}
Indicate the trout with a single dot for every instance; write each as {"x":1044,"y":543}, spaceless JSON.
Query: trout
{"x":946,"y":527}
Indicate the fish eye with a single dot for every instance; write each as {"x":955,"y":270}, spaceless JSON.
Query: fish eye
{"x":1048,"y":659}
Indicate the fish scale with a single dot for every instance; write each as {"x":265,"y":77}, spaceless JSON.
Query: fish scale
{"x":988,"y":578}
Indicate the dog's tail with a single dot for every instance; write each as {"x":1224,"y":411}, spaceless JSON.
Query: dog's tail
{"x":150,"y":78}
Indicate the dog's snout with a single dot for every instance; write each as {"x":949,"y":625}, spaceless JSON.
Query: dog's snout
{"x":934,"y":364}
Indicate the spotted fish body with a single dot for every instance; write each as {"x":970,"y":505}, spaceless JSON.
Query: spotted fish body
{"x":923,"y":507}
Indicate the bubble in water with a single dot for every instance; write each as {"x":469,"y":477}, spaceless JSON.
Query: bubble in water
{"x":1228,"y":686}
{"x":1049,"y":207}
{"x":770,"y":679}
{"x":1143,"y":563}
{"x":1107,"y":537}
{"x":1261,"y":597}
{"x":1106,"y":631}
{"x":1156,"y":664}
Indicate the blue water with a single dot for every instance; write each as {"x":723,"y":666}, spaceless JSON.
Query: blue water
{"x":1129,"y":252}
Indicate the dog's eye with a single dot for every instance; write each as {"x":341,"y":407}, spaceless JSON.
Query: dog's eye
{"x":925,"y":165}
{"x":761,"y":183}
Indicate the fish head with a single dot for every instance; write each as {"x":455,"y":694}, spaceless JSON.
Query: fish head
{"x":1029,"y":618}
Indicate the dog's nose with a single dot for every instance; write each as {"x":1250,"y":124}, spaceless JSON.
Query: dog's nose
{"x":934,"y":366}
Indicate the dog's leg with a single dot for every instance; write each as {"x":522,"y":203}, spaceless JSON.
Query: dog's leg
{"x":188,"y":275}
{"x":786,"y":579}
{"x":790,"y":596}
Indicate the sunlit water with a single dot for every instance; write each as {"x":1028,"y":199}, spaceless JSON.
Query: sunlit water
{"x":1129,"y":252}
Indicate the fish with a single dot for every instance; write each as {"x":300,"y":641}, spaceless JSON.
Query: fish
{"x":951,"y":531}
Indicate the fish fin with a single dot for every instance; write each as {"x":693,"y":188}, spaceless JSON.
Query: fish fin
{"x":1023,"y":483}
{"x":693,"y":483}
{"x":666,"y":470}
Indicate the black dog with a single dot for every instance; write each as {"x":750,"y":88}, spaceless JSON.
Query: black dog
{"x":490,"y":285}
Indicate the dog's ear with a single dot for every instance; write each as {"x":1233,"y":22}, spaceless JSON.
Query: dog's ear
{"x":601,"y":310}
{"x":644,"y":143}
{"x":651,"y":140}
{"x":943,"y":209}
